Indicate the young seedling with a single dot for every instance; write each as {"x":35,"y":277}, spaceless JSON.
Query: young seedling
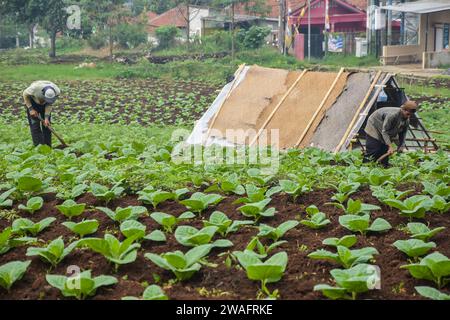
{"x":350,"y":282}
{"x":190,"y":237}
{"x":122,"y":214}
{"x":105,"y":194}
{"x":183,"y":266}
{"x":257,"y":210}
{"x":8,"y":241}
{"x":432,"y":293}
{"x":54,"y":253}
{"x":385,"y":192}
{"x":4,"y":201}
{"x":254,"y":194}
{"x":199,"y":202}
{"x":33,"y":205}
{"x":277,"y":233}
{"x":80,"y":286}
{"x":316,"y":219}
{"x":422,"y":232}
{"x":295,"y":189}
{"x":152,"y":292}
{"x":82,"y":228}
{"x":362,"y":224}
{"x":112,"y":249}
{"x":439,"y":205}
{"x":344,"y":190}
{"x":71,"y":209}
{"x":345,"y":241}
{"x":156,"y":235}
{"x":168,"y":221}
{"x":25,"y":226}
{"x":413,"y":207}
{"x":270,"y":271}
{"x":356,"y":207}
{"x":344,"y":256}
{"x":12,"y":272}
{"x":133,"y":228}
{"x":155,"y":197}
{"x":378,"y":177}
{"x":440,"y":188}
{"x":434,"y":267}
{"x":262,"y":251}
{"x":224,"y":224}
{"x":414,"y":248}
{"x":73,"y":193}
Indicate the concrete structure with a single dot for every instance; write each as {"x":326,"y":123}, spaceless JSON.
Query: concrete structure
{"x":432,"y":48}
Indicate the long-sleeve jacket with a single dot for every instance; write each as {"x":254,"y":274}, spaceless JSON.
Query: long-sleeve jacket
{"x":35,"y":93}
{"x":388,"y":125}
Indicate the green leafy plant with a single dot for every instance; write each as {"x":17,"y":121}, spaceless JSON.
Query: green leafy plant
{"x":183,"y":266}
{"x":421,"y":231}
{"x":432,"y":293}
{"x":4,"y":201}
{"x":293,"y":188}
{"x":73,"y":193}
{"x":254,"y":194}
{"x":434,"y":267}
{"x":29,"y":184}
{"x":33,"y":205}
{"x":413,"y":207}
{"x":8,"y":240}
{"x":378,"y":177}
{"x":199,"y":201}
{"x":168,"y":221}
{"x":346,"y":241}
{"x":344,"y":190}
{"x":71,"y":209}
{"x":440,"y":188}
{"x":79,"y":286}
{"x":155,"y":197}
{"x":385,"y":192}
{"x":361,"y":224}
{"x":356,"y":207}
{"x":82,"y":228}
{"x":112,"y":249}
{"x":54,"y":252}
{"x":350,"y":282}
{"x":414,"y":247}
{"x":156,"y":235}
{"x":269,"y":271}
{"x":24,"y":226}
{"x":133,"y":228}
{"x":316,"y":219}
{"x":122,"y":214}
{"x":152,"y":292}
{"x":277,"y":233}
{"x":12,"y":272}
{"x":104,"y":193}
{"x":190,"y":236}
{"x":439,"y":204}
{"x":344,"y":256}
{"x":224,"y":224}
{"x":262,"y":251}
{"x":257,"y":210}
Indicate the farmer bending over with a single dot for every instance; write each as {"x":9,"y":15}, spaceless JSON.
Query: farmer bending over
{"x":385,"y":127}
{"x":39,"y":98}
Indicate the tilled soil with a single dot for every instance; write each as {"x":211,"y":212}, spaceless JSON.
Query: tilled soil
{"x":222,"y":282}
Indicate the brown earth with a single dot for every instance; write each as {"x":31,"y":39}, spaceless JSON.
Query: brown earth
{"x":220,"y":282}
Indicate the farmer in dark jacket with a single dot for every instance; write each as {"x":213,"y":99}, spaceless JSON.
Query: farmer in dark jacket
{"x":39,"y":98}
{"x":386,"y":131}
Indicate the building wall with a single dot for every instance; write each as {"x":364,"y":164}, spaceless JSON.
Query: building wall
{"x":196,"y":15}
{"x":434,"y":18}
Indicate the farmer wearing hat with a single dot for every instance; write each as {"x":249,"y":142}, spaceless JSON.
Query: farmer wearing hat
{"x":39,"y":98}
{"x":386,"y":131}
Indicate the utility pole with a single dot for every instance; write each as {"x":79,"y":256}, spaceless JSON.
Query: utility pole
{"x":282,"y":26}
{"x":309,"y":30}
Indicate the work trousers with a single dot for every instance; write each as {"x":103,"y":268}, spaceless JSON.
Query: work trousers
{"x":39,"y":133}
{"x":374,"y":150}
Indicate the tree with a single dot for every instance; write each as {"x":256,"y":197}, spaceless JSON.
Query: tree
{"x":254,"y":7}
{"x":109,"y":13}
{"x":53,"y":21}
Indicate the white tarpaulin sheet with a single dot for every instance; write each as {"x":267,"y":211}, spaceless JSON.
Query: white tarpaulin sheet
{"x":420,"y":6}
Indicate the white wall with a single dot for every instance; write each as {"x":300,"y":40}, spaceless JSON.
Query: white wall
{"x":196,"y":14}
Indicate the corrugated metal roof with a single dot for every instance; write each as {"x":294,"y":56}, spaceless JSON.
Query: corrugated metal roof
{"x":420,"y":6}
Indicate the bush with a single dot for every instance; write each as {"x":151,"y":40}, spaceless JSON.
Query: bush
{"x":253,"y":38}
{"x":67,"y":42}
{"x":166,"y":36}
{"x":217,"y":41}
{"x":98,"y":40}
{"x":130,"y":35}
